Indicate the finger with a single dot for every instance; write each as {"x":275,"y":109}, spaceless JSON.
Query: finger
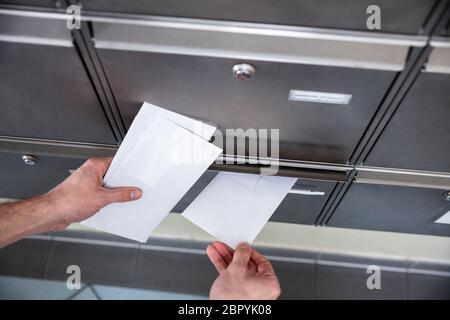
{"x":122,"y":194}
{"x":107,"y":160}
{"x":99,"y":166}
{"x":104,"y":164}
{"x":225,"y":251}
{"x":252,"y":269}
{"x":263,"y":265}
{"x":216,"y":258}
{"x":227,"y":254}
{"x":241,"y":255}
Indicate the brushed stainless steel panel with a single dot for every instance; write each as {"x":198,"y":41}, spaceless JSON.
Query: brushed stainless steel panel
{"x":239,"y":41}
{"x":392,"y":208}
{"x":418,"y":135}
{"x":205,"y":88}
{"x":439,"y":61}
{"x":19,"y":180}
{"x":16,"y":26}
{"x":402,"y":16}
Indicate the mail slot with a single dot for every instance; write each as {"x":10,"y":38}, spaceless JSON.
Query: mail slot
{"x":302,"y":205}
{"x":45,"y":91}
{"x":393,"y":208}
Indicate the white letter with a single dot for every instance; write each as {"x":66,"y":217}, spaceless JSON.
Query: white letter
{"x":274,"y":153}
{"x":74,"y":280}
{"x":241,"y":139}
{"x":374,"y":20}
{"x":74,"y":19}
{"x":374,"y":280}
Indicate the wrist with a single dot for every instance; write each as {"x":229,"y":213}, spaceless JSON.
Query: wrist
{"x":50,"y":212}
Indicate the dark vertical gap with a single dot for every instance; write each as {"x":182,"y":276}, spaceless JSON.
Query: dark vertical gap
{"x":94,"y":59}
{"x":341,"y":193}
{"x":413,"y":73}
{"x":88,"y":39}
{"x":384,"y":107}
{"x":425,"y":29}
{"x":316,"y":275}
{"x":436,"y":18}
{"x":372,"y":123}
{"x":388,"y":119}
{"x":326,"y":205}
{"x":76,"y":293}
{"x":119,"y":116}
{"x":94,"y":291}
{"x":49,"y":259}
{"x":137,"y":261}
{"x":94,"y":87}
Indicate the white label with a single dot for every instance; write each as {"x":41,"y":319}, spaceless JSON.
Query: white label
{"x":307,"y":192}
{"x":319,"y":97}
{"x":445,"y":218}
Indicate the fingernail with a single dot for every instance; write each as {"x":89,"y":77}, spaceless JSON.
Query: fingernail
{"x":243,"y":245}
{"x":135,"y":194}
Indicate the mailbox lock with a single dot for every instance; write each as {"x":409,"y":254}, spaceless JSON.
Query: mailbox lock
{"x":30,"y":160}
{"x":243,"y":71}
{"x":447,"y":195}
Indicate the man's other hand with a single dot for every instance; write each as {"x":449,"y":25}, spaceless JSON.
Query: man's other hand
{"x":244,"y":274}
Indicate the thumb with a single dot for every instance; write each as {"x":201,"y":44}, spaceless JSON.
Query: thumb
{"x":122,"y":194}
{"x":241,"y":255}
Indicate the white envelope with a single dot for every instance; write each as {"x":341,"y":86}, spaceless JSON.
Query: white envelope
{"x":234,"y":207}
{"x":145,"y":116}
{"x":164,"y":161}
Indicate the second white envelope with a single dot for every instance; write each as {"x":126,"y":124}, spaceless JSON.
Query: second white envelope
{"x":234,"y":207}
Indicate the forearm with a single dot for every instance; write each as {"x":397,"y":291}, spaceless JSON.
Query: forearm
{"x":22,"y":218}
{"x":77,"y":198}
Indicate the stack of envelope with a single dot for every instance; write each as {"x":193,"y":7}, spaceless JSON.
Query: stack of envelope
{"x":164,"y":154}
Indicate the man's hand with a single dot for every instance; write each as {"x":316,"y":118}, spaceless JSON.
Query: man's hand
{"x":82,"y":194}
{"x":243,"y":274}
{"x":75,"y":199}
